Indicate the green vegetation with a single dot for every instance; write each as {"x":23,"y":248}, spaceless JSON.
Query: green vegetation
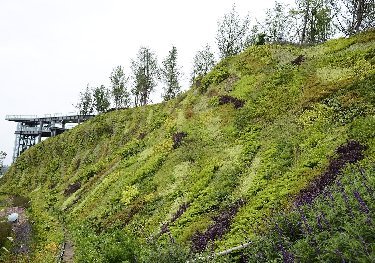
{"x":170,"y":74}
{"x":207,"y":170}
{"x":338,"y":226}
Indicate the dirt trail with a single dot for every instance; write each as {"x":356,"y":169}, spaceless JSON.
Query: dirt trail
{"x":22,"y":235}
{"x":21,"y":229}
{"x":68,"y":256}
{"x":67,"y":250}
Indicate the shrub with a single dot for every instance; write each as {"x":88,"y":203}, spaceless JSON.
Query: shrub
{"x":214,"y":77}
{"x":5,"y":232}
{"x":166,"y":253}
{"x":132,"y":148}
{"x":72,"y":188}
{"x":120,"y":248}
{"x":217,"y":229}
{"x":20,"y":201}
{"x":129,"y":194}
{"x":350,"y":152}
{"x":226,"y":99}
{"x":177,"y":139}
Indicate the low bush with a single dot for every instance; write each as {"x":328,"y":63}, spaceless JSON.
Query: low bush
{"x":72,"y":188}
{"x":336,"y":226}
{"x":177,"y":138}
{"x":226,"y":99}
{"x":219,"y":227}
{"x":5,"y":232}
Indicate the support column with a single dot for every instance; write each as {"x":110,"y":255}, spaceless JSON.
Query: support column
{"x":53,"y":128}
{"x":40,"y":131}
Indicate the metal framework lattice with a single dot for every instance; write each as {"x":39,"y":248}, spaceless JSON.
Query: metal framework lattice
{"x":31,"y":129}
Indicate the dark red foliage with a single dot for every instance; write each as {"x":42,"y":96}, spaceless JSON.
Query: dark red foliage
{"x":243,"y":259}
{"x":226,"y":99}
{"x":221,"y":224}
{"x":177,"y":138}
{"x":141,"y":135}
{"x":72,"y":188}
{"x":164,"y":229}
{"x":199,"y":241}
{"x":350,"y":152}
{"x":298,"y":60}
{"x":182,"y":209}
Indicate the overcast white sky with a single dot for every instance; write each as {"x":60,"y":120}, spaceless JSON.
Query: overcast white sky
{"x":51,"y":49}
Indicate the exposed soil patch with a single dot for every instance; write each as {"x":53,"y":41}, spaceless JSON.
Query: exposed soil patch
{"x":68,"y":253}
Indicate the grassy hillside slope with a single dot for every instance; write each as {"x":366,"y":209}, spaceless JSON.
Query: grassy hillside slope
{"x":208,"y":166}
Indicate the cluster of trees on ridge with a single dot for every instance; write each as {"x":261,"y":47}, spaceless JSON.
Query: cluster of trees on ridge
{"x":308,"y":22}
{"x":145,"y":75}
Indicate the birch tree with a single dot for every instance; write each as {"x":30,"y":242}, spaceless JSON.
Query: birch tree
{"x":315,"y":20}
{"x":85,"y":104}
{"x":354,"y":16}
{"x":170,"y":74}
{"x":2,"y":158}
{"x":278,"y":24}
{"x":203,"y":62}
{"x":232,"y":32}
{"x":145,"y":75}
{"x":101,"y":99}
{"x":119,"y":92}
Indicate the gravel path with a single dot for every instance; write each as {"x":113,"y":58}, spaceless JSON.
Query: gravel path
{"x":68,"y":256}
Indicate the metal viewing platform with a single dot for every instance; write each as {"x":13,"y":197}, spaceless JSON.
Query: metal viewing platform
{"x":32,"y":128}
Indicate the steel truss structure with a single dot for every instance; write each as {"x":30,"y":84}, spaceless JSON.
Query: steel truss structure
{"x":32,"y":129}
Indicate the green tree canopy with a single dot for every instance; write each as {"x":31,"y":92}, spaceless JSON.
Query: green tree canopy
{"x":145,"y":75}
{"x":120,"y":94}
{"x":101,"y":98}
{"x":2,"y":158}
{"x":232,"y":33}
{"x":85,"y":105}
{"x":170,"y":74}
{"x":203,"y":62}
{"x":278,"y":24}
{"x":354,"y":16}
{"x":315,"y":20}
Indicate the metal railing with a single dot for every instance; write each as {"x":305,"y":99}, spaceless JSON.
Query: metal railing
{"x":33,"y":129}
{"x":21,"y":117}
{"x":27,"y":117}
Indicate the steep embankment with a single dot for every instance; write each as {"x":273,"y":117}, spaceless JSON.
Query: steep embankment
{"x":207,"y":166}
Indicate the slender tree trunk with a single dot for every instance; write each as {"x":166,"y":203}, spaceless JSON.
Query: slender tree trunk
{"x":359,"y":12}
{"x":305,"y":21}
